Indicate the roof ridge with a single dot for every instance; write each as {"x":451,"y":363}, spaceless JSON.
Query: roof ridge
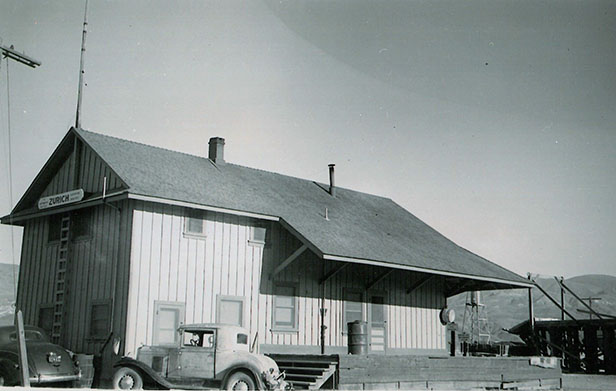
{"x":304,"y":179}
{"x":140,"y":143}
{"x":227,"y":163}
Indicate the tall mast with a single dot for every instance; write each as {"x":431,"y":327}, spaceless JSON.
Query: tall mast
{"x":81,"y":71}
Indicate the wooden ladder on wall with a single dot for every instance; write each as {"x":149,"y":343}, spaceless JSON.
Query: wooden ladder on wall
{"x":60,"y":291}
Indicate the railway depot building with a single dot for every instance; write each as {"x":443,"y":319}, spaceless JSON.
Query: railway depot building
{"x":127,"y":241}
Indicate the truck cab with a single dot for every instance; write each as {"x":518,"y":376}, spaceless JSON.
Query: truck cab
{"x":206,"y":355}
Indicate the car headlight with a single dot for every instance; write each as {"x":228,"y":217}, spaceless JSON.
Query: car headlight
{"x":273,"y":379}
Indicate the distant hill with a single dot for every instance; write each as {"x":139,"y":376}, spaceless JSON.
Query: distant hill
{"x":507,"y":308}
{"x":7,"y":292}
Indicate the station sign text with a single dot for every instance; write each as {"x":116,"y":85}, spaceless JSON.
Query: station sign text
{"x":60,"y":199}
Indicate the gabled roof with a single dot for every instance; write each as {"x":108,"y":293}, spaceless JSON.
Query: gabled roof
{"x":361,"y":227}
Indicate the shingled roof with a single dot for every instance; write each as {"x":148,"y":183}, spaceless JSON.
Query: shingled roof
{"x":361,"y":227}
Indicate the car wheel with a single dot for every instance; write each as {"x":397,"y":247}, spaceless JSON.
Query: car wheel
{"x":9,"y":376}
{"x":240,"y":381}
{"x":127,"y":379}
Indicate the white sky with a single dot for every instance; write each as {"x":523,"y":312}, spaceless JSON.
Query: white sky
{"x":492,"y":121}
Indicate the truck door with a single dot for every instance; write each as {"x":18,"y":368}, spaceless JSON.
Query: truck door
{"x":197,"y":354}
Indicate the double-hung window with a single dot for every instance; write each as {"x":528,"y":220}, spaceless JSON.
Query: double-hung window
{"x":231,"y":310}
{"x":258,"y":236}
{"x":285,"y":315}
{"x":194,"y":223}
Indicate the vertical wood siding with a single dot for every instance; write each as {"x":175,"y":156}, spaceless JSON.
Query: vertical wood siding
{"x":92,"y":172}
{"x":166,"y":265}
{"x":97,"y":264}
{"x":93,"y":261}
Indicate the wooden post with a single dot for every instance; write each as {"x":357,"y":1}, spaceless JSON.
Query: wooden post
{"x":562,"y":299}
{"x":531,"y":310}
{"x":323,"y":311}
{"x":23,"y":354}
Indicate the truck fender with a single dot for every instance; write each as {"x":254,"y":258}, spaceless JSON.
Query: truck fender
{"x":245,"y":367}
{"x":146,"y":370}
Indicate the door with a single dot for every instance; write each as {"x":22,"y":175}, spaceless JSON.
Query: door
{"x":196,"y":355}
{"x":377,"y":323}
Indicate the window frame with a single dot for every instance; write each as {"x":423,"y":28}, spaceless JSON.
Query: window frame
{"x":51,"y":220}
{"x":362,"y":298}
{"x":76,"y":219}
{"x":91,"y":336}
{"x":158,"y":304}
{"x":241,"y":299}
{"x":194,"y":214}
{"x":48,"y":306}
{"x":255,"y":242}
{"x":295,"y":326}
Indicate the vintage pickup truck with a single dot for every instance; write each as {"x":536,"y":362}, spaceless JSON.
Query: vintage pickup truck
{"x":206,"y":355}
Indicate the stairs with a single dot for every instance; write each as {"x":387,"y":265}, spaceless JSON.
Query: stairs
{"x":308,"y":372}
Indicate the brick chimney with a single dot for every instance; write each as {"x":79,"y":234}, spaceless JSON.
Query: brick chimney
{"x":217,"y":150}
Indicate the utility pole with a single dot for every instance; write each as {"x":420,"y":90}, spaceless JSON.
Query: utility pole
{"x":590,"y":300}
{"x":11,"y":53}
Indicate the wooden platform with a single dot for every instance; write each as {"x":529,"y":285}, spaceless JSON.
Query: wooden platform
{"x":444,"y":373}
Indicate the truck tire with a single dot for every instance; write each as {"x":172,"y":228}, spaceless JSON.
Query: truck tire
{"x":240,"y":381}
{"x":127,"y":378}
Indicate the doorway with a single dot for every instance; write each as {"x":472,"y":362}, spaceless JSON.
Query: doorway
{"x":377,"y":323}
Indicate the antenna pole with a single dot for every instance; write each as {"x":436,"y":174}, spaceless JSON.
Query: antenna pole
{"x":81,"y":71}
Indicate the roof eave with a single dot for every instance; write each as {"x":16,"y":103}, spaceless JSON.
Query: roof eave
{"x":511,"y":283}
{"x":19,"y":217}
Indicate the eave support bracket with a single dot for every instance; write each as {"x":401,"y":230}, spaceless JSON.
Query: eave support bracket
{"x":289,"y":260}
{"x":419,"y":283}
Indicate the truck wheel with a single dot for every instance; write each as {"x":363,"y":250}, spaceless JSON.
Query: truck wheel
{"x":240,"y":381}
{"x":127,"y":379}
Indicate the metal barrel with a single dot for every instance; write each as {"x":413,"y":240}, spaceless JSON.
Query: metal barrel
{"x":358,"y":337}
{"x":86,"y":364}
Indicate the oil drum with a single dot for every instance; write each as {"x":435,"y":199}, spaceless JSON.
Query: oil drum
{"x":358,"y":337}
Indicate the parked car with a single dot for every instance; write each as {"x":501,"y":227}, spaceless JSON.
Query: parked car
{"x":49,"y":364}
{"x":205,"y":355}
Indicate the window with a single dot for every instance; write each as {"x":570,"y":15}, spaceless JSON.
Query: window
{"x":80,"y":224}
{"x":231,"y":310}
{"x":168,"y":316}
{"x":54,"y":224}
{"x":29,"y":335}
{"x":257,"y":236}
{"x":199,"y":338}
{"x":242,"y":339}
{"x":45,"y":320}
{"x":353,"y":307}
{"x":194,"y":223}
{"x":100,"y":319}
{"x":285,"y":308}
